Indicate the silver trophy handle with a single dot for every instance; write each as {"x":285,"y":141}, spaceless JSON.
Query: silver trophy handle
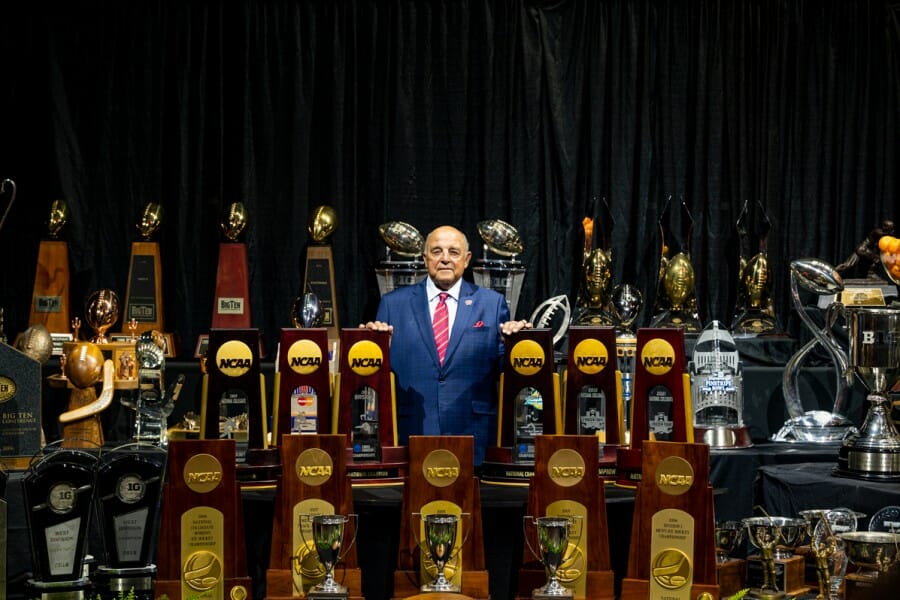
{"x":12,"y":198}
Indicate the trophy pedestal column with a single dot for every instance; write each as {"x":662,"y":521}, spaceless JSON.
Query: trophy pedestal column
{"x":70,"y":590}
{"x":724,"y":437}
{"x":109,"y":583}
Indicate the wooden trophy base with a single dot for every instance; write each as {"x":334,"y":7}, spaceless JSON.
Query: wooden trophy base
{"x":732,"y":576}
{"x":390,"y":470}
{"x":790,"y":574}
{"x":262,"y":468}
{"x":598,"y":584}
{"x":50,"y":298}
{"x":238,"y":587}
{"x":860,"y":585}
{"x":280,"y":583}
{"x":498,"y":468}
{"x":474,"y":585}
{"x":87,"y":432}
{"x":639,"y":589}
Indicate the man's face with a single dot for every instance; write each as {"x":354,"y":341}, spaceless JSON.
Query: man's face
{"x":446,"y":256}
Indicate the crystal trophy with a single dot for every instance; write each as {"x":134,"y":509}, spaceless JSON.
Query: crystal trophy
{"x":506,"y":274}
{"x":153,"y":402}
{"x":717,"y":390}
{"x":816,"y":425}
{"x":403,"y":263}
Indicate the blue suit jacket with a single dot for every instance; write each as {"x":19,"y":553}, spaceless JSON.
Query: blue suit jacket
{"x":460,"y":396}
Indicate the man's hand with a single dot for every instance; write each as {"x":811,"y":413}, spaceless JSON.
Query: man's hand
{"x":377,"y":326}
{"x":514,"y":326}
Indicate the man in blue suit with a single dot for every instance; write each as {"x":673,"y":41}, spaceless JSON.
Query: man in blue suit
{"x":456,"y":395}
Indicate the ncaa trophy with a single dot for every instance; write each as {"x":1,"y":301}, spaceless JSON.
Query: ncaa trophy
{"x":407,"y":243}
{"x":503,"y":275}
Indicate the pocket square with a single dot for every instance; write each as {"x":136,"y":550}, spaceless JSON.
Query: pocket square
{"x":478,"y":324}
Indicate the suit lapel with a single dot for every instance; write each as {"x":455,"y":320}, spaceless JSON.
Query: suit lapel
{"x":465,"y":311}
{"x":422,"y":316}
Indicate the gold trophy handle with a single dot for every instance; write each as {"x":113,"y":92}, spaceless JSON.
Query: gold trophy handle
{"x":98,"y":405}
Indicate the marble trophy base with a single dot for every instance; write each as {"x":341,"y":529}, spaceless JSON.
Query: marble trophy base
{"x":111,"y":583}
{"x":725,"y":436}
{"x":390,"y":470}
{"x":76,"y":589}
{"x":874,"y":453}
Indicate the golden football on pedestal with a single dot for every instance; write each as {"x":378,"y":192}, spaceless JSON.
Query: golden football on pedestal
{"x":322,"y":223}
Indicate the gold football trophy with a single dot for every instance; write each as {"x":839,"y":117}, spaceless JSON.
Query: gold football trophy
{"x":318,"y":276}
{"x":50,"y":298}
{"x":593,"y":306}
{"x":676,"y":300}
{"x":754,"y":313}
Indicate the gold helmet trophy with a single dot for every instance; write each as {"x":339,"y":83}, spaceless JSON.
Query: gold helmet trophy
{"x":676,"y":300}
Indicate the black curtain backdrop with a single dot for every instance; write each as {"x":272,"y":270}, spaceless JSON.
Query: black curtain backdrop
{"x":442,"y":112}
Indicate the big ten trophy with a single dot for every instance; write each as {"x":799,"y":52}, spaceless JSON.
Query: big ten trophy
{"x":593,"y":305}
{"x":302,"y":386}
{"x":775,"y":570}
{"x":871,"y":290}
{"x":661,"y":403}
{"x":529,"y":407}
{"x":314,"y":483}
{"x":58,"y":490}
{"x":672,"y":551}
{"x":593,"y":392}
{"x":503,"y":275}
{"x":873,"y":453}
{"x":676,"y":300}
{"x":367,"y":409}
{"x":407,"y":243}
{"x":233,"y":403}
{"x":754,"y":312}
{"x":153,"y":402}
{"x":20,"y":396}
{"x":441,"y":508}
{"x":818,"y":426}
{"x":232,"y":296}
{"x":318,"y":276}
{"x":566,"y":484}
{"x":50,"y":298}
{"x":202,"y":524}
{"x":717,"y":390}
{"x":627,"y":302}
{"x":129,"y":488}
{"x":143,"y":296}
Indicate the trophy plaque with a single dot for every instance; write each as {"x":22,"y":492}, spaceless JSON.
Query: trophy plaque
{"x":874,"y":452}
{"x":302,"y":384}
{"x":367,"y":412}
{"x":50,"y":298}
{"x":314,"y":483}
{"x":129,"y":487}
{"x":529,"y":406}
{"x":20,"y":407}
{"x":566,"y":484}
{"x":441,"y":500}
{"x":660,"y":407}
{"x":202,"y":524}
{"x":593,"y":392}
{"x":143,"y":296}
{"x":319,"y":274}
{"x":408,"y":267}
{"x":672,"y":551}
{"x":233,"y":405}
{"x":717,"y":390}
{"x":503,"y":275}
{"x":58,"y":490}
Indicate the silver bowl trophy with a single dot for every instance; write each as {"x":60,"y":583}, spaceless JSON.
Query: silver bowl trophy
{"x":729,"y":535}
{"x":554,"y":550}
{"x":874,"y":552}
{"x":816,"y":425}
{"x":717,"y":390}
{"x":328,"y":540}
{"x":404,"y":262}
{"x":440,"y":532}
{"x":874,"y":452}
{"x":504,"y":275}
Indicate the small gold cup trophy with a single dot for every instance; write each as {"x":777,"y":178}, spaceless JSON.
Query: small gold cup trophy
{"x":441,"y":546}
{"x":328,"y":540}
{"x":554,"y":549}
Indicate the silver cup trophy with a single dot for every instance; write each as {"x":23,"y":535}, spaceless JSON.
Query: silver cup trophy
{"x":328,"y":540}
{"x":553,"y":549}
{"x":440,"y":531}
{"x":729,"y":535}
{"x":874,"y":552}
{"x":874,"y":452}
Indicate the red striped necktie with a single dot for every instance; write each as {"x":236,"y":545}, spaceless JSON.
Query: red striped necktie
{"x":441,"y":325}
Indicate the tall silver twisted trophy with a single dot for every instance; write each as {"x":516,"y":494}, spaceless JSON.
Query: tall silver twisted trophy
{"x":874,"y":452}
{"x":819,"y":426}
{"x":328,"y":539}
{"x":440,"y":532}
{"x":553,"y":551}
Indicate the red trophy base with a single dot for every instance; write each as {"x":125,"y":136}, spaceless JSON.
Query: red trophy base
{"x":628,"y":466}
{"x":390,"y":470}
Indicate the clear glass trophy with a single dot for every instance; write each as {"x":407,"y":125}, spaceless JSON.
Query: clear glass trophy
{"x":717,"y":390}
{"x":505,"y":274}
